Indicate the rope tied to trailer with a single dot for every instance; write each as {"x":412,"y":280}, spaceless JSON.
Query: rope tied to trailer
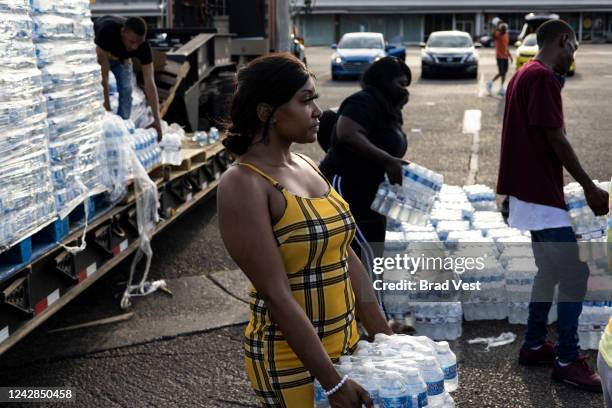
{"x":73,"y":250}
{"x":147,"y":216}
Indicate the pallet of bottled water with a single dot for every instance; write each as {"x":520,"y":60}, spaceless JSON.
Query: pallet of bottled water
{"x":413,"y":200}
{"x":400,"y":371}
{"x":592,"y":323}
{"x":26,"y":191}
{"x":66,"y":55}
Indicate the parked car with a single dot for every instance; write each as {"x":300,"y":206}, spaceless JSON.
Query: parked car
{"x":357,"y":51}
{"x":488,"y":40}
{"x":449,"y":52}
{"x":528,"y":49}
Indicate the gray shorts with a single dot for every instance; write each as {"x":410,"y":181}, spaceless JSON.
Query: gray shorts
{"x":606,"y":380}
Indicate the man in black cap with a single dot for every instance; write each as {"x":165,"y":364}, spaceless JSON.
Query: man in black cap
{"x":118,"y":40}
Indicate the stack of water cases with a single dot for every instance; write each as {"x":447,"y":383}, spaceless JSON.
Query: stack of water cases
{"x":144,"y":143}
{"x":434,"y":311}
{"x":464,"y":223}
{"x":591,"y":233}
{"x":117,"y":153}
{"x":26,"y":192}
{"x":63,"y":35}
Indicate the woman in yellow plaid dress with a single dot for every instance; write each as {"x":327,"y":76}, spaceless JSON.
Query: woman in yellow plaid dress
{"x":290,"y":232}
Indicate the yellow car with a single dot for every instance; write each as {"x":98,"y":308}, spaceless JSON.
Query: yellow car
{"x":528,"y":49}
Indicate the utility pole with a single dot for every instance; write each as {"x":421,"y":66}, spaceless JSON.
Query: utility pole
{"x":283,"y":26}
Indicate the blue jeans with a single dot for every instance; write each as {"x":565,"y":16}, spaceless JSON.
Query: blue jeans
{"x":123,"y":74}
{"x":557,"y":264}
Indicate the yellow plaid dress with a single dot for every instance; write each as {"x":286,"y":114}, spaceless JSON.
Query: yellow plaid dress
{"x":313,"y":237}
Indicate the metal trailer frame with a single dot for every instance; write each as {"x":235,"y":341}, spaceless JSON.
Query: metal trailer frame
{"x":32,"y":292}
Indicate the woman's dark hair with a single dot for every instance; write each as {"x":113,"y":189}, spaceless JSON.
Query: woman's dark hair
{"x":378,"y":81}
{"x":272,"y":79}
{"x":383,"y":71}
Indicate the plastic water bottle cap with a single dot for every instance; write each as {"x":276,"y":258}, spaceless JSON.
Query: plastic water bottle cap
{"x":442,"y":346}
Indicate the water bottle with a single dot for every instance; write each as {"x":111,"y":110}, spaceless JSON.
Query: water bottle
{"x":380,"y":197}
{"x":320,"y":399}
{"x":434,"y":379}
{"x":369,"y":383}
{"x":448,"y":363}
{"x":213,"y":135}
{"x":417,"y":389}
{"x":394,"y":392}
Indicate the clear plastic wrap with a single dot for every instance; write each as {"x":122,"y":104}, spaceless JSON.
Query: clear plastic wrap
{"x":73,"y":94}
{"x":117,"y":155}
{"x":26,"y":193}
{"x":147,"y":206}
{"x":171,"y":143}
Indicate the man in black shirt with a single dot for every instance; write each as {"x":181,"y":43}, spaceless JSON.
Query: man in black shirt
{"x":118,"y":40}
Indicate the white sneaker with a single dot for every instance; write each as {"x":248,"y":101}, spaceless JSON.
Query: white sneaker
{"x":490,"y":88}
{"x":502,"y":92}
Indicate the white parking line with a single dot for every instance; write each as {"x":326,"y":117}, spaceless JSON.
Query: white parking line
{"x":472,"y":124}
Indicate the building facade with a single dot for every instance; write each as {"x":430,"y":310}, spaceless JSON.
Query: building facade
{"x":411,"y":21}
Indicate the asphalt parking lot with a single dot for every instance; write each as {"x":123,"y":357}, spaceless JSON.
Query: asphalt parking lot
{"x":169,"y":365}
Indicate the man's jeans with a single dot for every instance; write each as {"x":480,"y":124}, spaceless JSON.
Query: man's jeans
{"x":123,"y":74}
{"x":557,"y":264}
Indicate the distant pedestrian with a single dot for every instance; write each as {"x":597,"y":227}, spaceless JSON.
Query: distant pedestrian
{"x":502,"y":54}
{"x":290,"y":232}
{"x":534,"y":151}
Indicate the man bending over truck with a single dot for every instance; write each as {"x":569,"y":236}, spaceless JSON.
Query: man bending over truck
{"x":118,"y":40}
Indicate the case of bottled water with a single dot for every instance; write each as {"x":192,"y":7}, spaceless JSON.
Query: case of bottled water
{"x":171,"y":144}
{"x":117,"y":145}
{"x":438,"y":320}
{"x":586,"y":225}
{"x":148,"y":151}
{"x":63,"y":36}
{"x":413,"y":200}
{"x":482,"y":197}
{"x":592,"y":323}
{"x":26,"y":191}
{"x":400,"y":371}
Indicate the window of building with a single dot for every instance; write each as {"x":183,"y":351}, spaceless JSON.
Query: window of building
{"x":438,"y":22}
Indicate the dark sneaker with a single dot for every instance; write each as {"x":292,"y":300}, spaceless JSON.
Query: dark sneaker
{"x":579,"y":373}
{"x":541,"y":356}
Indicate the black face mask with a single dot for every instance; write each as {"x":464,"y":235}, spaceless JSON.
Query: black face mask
{"x":398,"y":96}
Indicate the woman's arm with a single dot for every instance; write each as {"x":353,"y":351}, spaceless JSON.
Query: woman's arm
{"x":352,"y":135}
{"x":368,"y":310}
{"x":245,"y":225}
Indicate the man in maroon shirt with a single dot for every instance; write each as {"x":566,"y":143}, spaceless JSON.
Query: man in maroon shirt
{"x":534,"y":151}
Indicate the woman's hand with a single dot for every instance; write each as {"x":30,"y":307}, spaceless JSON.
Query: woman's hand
{"x":350,"y":395}
{"x":393,"y":168}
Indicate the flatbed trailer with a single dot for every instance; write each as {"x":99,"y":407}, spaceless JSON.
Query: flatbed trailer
{"x":38,"y":276}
